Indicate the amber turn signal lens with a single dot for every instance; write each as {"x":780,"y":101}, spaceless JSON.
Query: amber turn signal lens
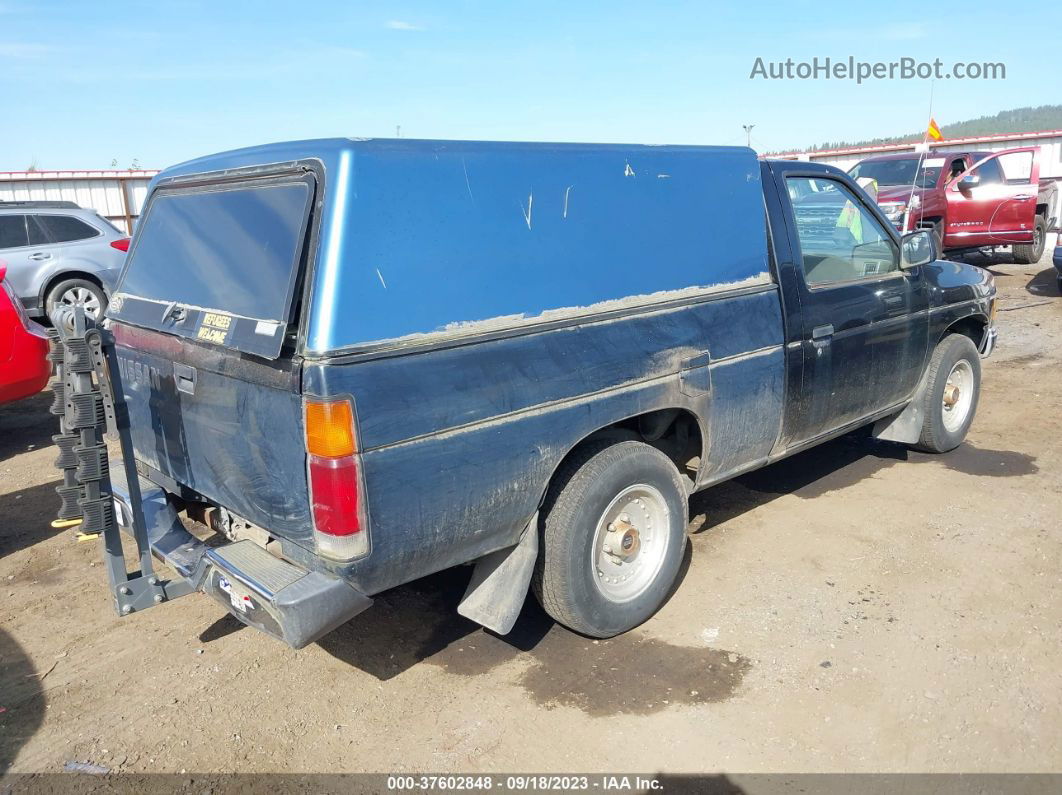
{"x":330,"y":428}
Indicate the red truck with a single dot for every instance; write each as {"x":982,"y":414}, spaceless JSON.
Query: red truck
{"x":970,"y":200}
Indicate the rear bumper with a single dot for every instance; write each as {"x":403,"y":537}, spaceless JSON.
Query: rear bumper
{"x":279,"y":598}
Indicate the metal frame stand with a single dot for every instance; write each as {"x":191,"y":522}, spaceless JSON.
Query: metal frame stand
{"x":90,"y":403}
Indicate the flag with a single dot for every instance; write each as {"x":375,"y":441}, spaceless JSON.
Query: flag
{"x":934,"y":131}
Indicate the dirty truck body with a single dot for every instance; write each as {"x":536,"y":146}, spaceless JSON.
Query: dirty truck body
{"x":367,"y":361}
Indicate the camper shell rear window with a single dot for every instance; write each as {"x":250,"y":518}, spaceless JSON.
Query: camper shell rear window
{"x":218,"y":263}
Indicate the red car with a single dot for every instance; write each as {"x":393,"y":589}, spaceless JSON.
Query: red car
{"x":24,"y":366}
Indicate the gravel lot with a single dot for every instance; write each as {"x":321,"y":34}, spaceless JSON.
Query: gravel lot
{"x":858,"y":607}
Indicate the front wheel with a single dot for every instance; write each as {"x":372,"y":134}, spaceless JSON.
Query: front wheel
{"x":952,"y":389}
{"x":614,"y":533}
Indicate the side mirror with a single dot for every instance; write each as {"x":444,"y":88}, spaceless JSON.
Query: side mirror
{"x":917,"y":248}
{"x":969,"y":182}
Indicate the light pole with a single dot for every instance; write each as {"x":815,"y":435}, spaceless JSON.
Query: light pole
{"x":748,"y":134}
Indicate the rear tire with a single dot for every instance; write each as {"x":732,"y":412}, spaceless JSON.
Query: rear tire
{"x":1030,"y":253}
{"x":953,"y":387}
{"x":75,"y":291}
{"x":614,"y":533}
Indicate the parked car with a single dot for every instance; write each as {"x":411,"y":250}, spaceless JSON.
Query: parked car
{"x":24,"y":367}
{"x":366,"y":361}
{"x":59,"y":253}
{"x":968,"y":200}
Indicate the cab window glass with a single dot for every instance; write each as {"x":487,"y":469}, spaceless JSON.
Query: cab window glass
{"x":839,"y":240}
{"x":13,"y":231}
{"x":1017,"y":167}
{"x":990,"y":172}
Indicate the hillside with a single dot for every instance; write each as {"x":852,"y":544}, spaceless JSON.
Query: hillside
{"x":1044,"y":117}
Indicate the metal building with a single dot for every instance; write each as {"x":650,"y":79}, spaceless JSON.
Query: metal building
{"x":116,"y":195}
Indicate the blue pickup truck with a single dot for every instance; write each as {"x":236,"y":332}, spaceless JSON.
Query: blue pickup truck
{"x":360,"y":362}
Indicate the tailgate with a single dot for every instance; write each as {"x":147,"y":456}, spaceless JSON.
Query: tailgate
{"x":226,"y":427}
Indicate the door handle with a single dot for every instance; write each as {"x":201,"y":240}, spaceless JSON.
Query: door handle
{"x":821,"y":332}
{"x":893,"y":302}
{"x":184,"y":378}
{"x":1023,"y":197}
{"x":40,"y":255}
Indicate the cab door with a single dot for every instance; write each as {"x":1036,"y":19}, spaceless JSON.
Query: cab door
{"x":864,"y":321}
{"x":994,"y":202}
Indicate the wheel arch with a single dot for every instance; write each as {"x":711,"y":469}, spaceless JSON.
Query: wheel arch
{"x":972,"y":326}
{"x":676,"y":431}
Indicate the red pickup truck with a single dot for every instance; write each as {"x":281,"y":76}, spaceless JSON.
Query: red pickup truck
{"x":969,"y":200}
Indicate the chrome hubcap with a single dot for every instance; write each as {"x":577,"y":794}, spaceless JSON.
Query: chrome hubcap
{"x":630,"y":542}
{"x":83,"y":297}
{"x":958,"y":395}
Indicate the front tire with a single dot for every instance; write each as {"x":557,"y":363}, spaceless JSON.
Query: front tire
{"x":614,"y":533}
{"x":953,"y":387}
{"x":1030,"y":253}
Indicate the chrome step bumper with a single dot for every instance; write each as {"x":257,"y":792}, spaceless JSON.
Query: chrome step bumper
{"x":283,"y":600}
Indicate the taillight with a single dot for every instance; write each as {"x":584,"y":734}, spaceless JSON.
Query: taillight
{"x":334,"y":479}
{"x":121,"y":245}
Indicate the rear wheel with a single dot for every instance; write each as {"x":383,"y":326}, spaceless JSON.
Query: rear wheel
{"x":72,"y":292}
{"x":614,"y":533}
{"x":1030,"y":253}
{"x":952,"y":390}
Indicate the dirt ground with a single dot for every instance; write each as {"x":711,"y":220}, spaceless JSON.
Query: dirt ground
{"x":855,"y":608}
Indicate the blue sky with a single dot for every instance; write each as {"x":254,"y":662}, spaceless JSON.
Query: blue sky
{"x":83,"y":84}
